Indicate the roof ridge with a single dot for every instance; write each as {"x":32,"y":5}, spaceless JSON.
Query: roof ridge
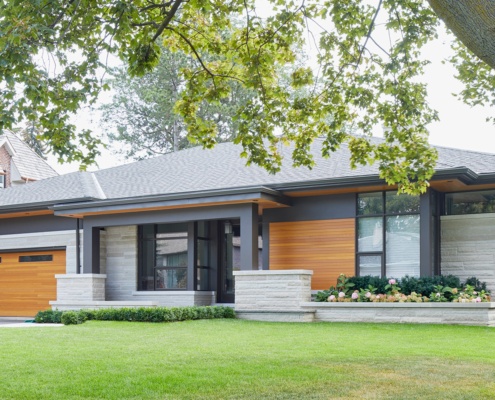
{"x":90,"y":185}
{"x":99,"y":189}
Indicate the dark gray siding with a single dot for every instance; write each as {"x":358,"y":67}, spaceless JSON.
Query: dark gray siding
{"x":41,"y":223}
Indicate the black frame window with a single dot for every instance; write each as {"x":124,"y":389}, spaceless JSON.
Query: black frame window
{"x":163,"y":257}
{"x":36,"y":258}
{"x":472,"y":202}
{"x":387,"y":234}
{"x":203,"y":255}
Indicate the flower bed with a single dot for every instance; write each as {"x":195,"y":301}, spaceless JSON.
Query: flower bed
{"x":345,"y":291}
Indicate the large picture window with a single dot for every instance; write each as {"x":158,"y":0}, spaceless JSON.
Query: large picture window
{"x":388,"y":234}
{"x":163,"y":257}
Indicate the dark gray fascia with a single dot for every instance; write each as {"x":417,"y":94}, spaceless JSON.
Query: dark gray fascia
{"x":182,"y":199}
{"x":331,"y":183}
{"x":41,"y":206}
{"x":464,"y":174}
{"x":486,"y":178}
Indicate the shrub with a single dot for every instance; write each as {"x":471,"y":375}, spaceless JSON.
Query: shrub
{"x":363,"y":282}
{"x":426,"y":284}
{"x":72,"y":318}
{"x":478,"y":286}
{"x":48,"y":317}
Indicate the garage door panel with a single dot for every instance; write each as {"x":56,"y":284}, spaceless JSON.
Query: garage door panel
{"x":27,"y":287}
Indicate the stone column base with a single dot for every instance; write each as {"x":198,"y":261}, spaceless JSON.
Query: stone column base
{"x":80,"y":287}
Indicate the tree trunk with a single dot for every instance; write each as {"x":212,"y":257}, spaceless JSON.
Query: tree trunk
{"x":473,"y":22}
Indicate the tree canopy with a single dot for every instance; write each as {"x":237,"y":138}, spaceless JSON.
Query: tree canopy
{"x":367,"y":73}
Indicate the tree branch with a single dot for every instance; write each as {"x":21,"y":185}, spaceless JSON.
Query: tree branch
{"x":168,"y":19}
{"x":370,"y":29}
{"x":198,"y":57}
{"x":154,"y":5}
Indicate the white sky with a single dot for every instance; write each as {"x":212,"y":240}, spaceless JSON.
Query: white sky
{"x":460,"y":125}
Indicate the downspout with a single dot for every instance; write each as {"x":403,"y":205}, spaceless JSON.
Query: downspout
{"x":78,"y":247}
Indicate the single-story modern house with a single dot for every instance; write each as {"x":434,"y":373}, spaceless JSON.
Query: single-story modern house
{"x":171,"y":230}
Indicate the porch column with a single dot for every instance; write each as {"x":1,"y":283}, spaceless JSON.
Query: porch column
{"x":249,"y":238}
{"x":91,"y":250}
{"x":428,"y":231}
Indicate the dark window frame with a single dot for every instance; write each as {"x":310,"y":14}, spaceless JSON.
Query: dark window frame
{"x":383,"y":217}
{"x":36,"y":258}
{"x":141,"y":242}
{"x":192,"y":269}
{"x":207,"y":240}
{"x":445,"y":208}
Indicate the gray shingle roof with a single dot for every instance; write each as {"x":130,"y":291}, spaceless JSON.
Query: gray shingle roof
{"x":197,"y":170}
{"x":27,"y":162}
{"x":67,"y":188}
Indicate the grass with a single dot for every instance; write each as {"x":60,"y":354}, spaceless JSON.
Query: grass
{"x":233,"y":359}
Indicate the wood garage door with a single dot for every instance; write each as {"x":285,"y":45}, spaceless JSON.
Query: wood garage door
{"x":27,"y":281}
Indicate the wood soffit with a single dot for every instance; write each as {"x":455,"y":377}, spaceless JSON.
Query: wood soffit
{"x":26,"y":214}
{"x":263,"y":204}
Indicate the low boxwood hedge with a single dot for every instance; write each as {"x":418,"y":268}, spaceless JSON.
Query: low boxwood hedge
{"x":141,"y":314}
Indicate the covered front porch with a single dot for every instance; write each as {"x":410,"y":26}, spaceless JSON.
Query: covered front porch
{"x":169,"y":257}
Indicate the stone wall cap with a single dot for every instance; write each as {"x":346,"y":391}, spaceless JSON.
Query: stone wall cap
{"x":79,"y":276}
{"x":274,"y":272}
{"x":319,"y":305}
{"x":275,"y":311}
{"x":89,"y":303}
{"x":172,"y":292}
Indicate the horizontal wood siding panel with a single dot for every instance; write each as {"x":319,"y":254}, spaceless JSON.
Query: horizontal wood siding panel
{"x":326,"y":246}
{"x":27,"y":287}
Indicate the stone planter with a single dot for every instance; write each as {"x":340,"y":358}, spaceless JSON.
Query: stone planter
{"x":285,"y":296}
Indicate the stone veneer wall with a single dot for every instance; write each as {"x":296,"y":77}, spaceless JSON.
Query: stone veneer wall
{"x":275,"y":295}
{"x":80,"y":287}
{"x":481,"y":314}
{"x":177,"y":298}
{"x":120,"y":250}
{"x":66,"y":239}
{"x":468,"y":247}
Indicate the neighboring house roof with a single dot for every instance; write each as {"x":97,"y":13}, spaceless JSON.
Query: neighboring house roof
{"x":197,"y":171}
{"x":28,"y":165}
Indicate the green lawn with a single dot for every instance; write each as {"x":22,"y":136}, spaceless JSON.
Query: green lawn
{"x":232,"y":359}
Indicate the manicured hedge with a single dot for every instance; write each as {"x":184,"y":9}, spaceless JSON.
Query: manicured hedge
{"x":141,"y":314}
